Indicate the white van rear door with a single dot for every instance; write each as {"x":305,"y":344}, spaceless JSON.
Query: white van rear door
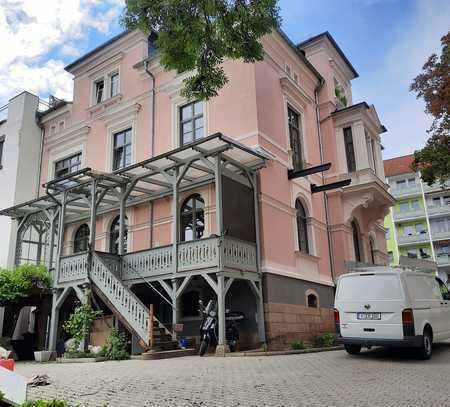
{"x":370,"y":306}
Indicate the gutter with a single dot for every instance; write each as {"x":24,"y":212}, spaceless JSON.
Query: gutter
{"x":152,"y":146}
{"x":325,"y":196}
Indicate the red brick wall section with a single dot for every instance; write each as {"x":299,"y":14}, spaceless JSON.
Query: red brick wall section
{"x":286,"y":323}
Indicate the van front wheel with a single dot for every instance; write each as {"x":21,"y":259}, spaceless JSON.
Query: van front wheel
{"x":427,"y":346}
{"x":352,"y":349}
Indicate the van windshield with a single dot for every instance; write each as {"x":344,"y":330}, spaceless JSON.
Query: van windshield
{"x":370,"y":287}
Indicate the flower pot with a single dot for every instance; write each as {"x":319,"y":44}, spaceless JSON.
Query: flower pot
{"x":42,"y":356}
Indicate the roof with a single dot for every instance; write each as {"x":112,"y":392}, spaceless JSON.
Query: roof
{"x":398,"y":165}
{"x":148,"y":179}
{"x":330,"y":38}
{"x":300,"y":54}
{"x":358,"y":106}
{"x":95,"y":50}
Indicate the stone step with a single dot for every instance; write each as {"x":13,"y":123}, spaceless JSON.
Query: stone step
{"x":167,"y":345}
{"x":167,"y":354}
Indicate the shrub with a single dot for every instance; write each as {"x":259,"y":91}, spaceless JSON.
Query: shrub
{"x":297,"y":345}
{"x":116,"y":346}
{"x":79,"y":324}
{"x":324,"y":341}
{"x":19,"y":283}
{"x":43,"y":403}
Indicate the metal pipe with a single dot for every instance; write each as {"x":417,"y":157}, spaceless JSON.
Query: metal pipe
{"x":152,"y":152}
{"x":41,"y":153}
{"x":325,"y":196}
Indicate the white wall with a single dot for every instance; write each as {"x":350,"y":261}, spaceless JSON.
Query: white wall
{"x":20,"y":165}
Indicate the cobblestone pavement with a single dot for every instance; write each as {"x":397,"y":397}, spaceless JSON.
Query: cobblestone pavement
{"x":375,"y":378}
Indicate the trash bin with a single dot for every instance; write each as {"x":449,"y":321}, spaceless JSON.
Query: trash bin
{"x":184,"y":342}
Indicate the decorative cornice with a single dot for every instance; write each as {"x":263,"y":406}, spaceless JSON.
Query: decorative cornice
{"x":119,"y":112}
{"x":295,"y":91}
{"x":68,"y":136}
{"x":99,"y":108}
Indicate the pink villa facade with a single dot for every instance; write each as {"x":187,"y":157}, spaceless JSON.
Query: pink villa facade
{"x":277,"y":118}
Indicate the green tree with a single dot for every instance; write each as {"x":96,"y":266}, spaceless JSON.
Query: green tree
{"x":433,"y":85}
{"x":198,"y":35}
{"x":23,"y":281}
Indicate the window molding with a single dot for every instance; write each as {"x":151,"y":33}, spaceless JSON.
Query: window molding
{"x":177,"y":102}
{"x":110,"y":132}
{"x":289,"y":103}
{"x":191,"y":120}
{"x":66,"y":153}
{"x":68,"y":167}
{"x":105,"y":76}
{"x":350,"y":153}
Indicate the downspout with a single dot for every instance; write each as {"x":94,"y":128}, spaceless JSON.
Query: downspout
{"x":41,"y":153}
{"x":152,"y":145}
{"x":325,"y":196}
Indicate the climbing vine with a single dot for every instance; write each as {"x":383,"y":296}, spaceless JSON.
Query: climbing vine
{"x":79,"y":324}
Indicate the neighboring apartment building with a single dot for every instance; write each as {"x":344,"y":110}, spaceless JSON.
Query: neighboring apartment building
{"x":20,"y":149}
{"x":178,"y":213}
{"x":418,"y":226}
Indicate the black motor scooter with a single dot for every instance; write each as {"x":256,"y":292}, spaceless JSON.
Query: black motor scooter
{"x":208,"y":327}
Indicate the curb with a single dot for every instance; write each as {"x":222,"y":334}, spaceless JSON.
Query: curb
{"x":284,"y":352}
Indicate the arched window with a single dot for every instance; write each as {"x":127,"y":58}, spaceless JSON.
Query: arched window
{"x":192,"y":218}
{"x":80,"y":243}
{"x":114,"y":236}
{"x":356,"y":240}
{"x":372,"y":250}
{"x":302,"y":227}
{"x":312,"y":300}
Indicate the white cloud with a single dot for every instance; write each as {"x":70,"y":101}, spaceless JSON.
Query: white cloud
{"x":30,"y":29}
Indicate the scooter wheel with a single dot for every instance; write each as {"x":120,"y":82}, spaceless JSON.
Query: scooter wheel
{"x":203,"y":348}
{"x":233,"y":347}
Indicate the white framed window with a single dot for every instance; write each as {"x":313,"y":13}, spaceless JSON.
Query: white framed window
{"x":114,"y":84}
{"x":99,"y":90}
{"x":60,"y":126}
{"x":105,"y":86}
{"x":192,"y":123}
{"x":296,"y":77}
{"x":68,"y":165}
{"x":288,"y":69}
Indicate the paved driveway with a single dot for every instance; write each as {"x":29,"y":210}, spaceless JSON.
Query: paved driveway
{"x":375,"y":378}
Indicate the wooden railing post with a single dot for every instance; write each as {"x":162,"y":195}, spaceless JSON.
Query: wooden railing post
{"x":150,"y":327}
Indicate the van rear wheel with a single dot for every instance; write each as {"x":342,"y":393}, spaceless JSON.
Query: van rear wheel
{"x":426,"y":349}
{"x":352,"y":349}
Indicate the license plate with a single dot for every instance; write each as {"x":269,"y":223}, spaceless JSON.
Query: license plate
{"x":368,"y":316}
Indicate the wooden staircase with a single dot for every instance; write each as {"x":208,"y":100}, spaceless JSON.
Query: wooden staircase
{"x":153,"y":336}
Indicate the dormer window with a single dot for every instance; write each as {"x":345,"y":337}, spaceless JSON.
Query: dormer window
{"x":99,"y":87}
{"x":114,"y":84}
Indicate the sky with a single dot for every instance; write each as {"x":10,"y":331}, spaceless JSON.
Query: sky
{"x":387,"y":41}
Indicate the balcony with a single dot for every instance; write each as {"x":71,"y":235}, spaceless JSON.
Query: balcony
{"x":435,"y":187}
{"x":438,"y":210}
{"x":404,"y":215}
{"x":409,"y":190}
{"x":225,"y":253}
{"x":443,"y":260}
{"x":441,"y":235}
{"x":413,"y":239}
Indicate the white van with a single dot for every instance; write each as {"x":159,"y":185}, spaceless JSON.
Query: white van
{"x":383,"y":306}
